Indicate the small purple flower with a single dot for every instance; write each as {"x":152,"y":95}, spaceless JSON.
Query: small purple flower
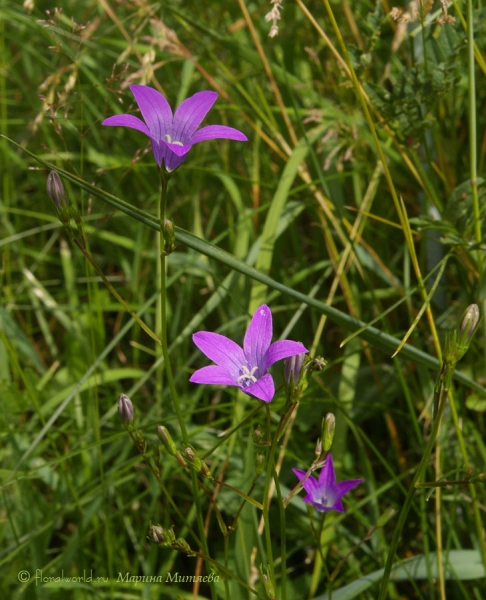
{"x":173,"y":136}
{"x":245,"y":368}
{"x":324,"y":493}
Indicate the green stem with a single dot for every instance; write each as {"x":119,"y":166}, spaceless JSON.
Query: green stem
{"x":442,"y":398}
{"x":164,"y":180}
{"x":283,"y":537}
{"x":266,"y":497}
{"x":472,"y":131}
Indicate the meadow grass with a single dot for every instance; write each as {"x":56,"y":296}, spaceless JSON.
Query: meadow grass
{"x":354,"y":211}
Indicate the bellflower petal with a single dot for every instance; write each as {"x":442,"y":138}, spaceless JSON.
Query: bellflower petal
{"x":191,"y":113}
{"x":283,"y":349}
{"x":173,"y":136}
{"x":258,"y":336}
{"x":212,"y":374}
{"x":245,"y":368}
{"x":212,"y":132}
{"x":127,"y":121}
{"x":263,"y":389}
{"x":176,"y":149}
{"x":221,"y":350}
{"x":324,"y":493}
{"x":155,"y":109}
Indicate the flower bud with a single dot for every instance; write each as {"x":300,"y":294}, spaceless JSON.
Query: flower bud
{"x":125,"y":408}
{"x":166,"y":439}
{"x":469,"y":324}
{"x":169,"y":236}
{"x":181,"y":545}
{"x":328,"y":427}
{"x":267,"y":583}
{"x":257,"y":436}
{"x":55,"y":189}
{"x":470,"y":321}
{"x":199,"y":465}
{"x":159,"y":535}
{"x":259,"y":463}
{"x":293,"y":366}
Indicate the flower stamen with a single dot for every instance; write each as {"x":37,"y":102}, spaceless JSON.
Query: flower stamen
{"x":247,"y":377}
{"x":169,"y":140}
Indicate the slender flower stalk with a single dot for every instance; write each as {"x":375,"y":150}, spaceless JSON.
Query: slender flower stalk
{"x":453,"y":350}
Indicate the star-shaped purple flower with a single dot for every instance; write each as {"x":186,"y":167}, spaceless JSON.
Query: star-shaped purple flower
{"x":245,"y":367}
{"x":324,"y":493}
{"x":173,"y":136}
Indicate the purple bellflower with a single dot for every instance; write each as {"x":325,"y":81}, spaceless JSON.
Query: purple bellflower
{"x":245,"y":368}
{"x":173,"y":136}
{"x":324,"y":493}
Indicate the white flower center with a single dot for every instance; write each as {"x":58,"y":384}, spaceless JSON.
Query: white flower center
{"x":169,"y":140}
{"x":247,"y":377}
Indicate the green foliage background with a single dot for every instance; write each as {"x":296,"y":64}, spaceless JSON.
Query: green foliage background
{"x":306,"y":202}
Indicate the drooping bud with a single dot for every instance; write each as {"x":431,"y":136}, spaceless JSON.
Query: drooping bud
{"x":55,"y":189}
{"x":125,"y":408}
{"x":293,"y":366}
{"x":328,"y":427}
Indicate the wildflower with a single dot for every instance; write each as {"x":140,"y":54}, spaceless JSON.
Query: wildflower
{"x":324,"y":493}
{"x":173,"y":136}
{"x":245,"y":368}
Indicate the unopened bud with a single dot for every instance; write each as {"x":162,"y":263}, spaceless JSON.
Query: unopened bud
{"x":157,"y":534}
{"x":267,"y":583}
{"x":55,"y":189}
{"x":197,"y":464}
{"x":328,"y":427}
{"x":181,"y":545}
{"x":125,"y":408}
{"x":469,"y":324}
{"x":257,"y":436}
{"x":166,"y":439}
{"x":293,"y":366}
{"x":259,"y":464}
{"x":169,"y":236}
